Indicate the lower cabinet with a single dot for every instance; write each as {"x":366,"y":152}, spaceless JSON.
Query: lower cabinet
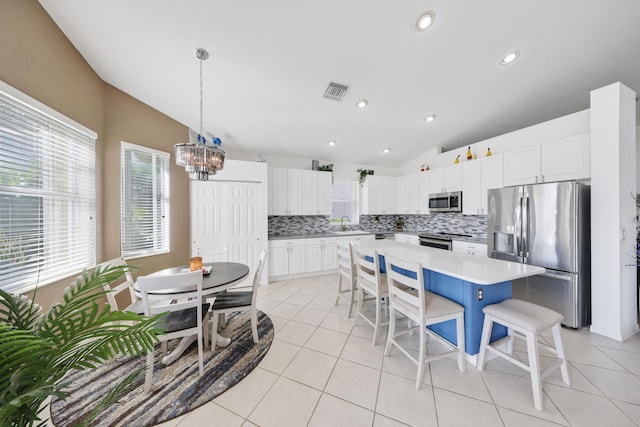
{"x":321,"y":254}
{"x":287,"y":257}
{"x":301,"y":256}
{"x":407,"y":238}
{"x":469,"y":247}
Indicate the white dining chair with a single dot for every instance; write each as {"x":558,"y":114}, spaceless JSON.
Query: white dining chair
{"x":347,"y":288}
{"x":135,"y":304}
{"x":184,"y":318}
{"x":229,"y":302}
{"x":408,"y":298}
{"x":372,"y":286}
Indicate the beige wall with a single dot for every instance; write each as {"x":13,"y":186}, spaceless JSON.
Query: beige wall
{"x":37,"y":59}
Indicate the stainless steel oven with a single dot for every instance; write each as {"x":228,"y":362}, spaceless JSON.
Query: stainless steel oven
{"x":435,"y":241}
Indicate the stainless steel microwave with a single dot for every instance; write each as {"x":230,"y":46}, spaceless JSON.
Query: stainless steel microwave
{"x":446,"y":202}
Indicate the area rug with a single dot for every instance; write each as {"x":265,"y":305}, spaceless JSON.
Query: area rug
{"x":176,"y":389}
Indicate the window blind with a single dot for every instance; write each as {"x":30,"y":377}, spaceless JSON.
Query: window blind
{"x":144,"y":201}
{"x":344,"y":200}
{"x":47,"y":194}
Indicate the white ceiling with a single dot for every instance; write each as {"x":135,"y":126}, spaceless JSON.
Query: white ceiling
{"x":272,"y":60}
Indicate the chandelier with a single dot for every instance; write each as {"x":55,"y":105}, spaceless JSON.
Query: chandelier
{"x":200,"y":160}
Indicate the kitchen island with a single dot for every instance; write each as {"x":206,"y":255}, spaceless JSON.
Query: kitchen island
{"x":471,"y":281}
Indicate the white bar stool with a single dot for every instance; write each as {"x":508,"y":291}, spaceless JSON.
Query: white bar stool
{"x":525,"y":320}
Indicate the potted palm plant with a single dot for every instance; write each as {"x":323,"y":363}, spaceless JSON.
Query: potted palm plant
{"x":38,"y":348}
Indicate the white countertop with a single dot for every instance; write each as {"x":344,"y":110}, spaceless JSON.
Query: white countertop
{"x":472,"y":268}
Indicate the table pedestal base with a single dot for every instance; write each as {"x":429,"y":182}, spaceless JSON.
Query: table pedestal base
{"x":186,"y":342}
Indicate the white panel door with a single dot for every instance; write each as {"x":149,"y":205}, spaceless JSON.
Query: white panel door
{"x":242,"y":230}
{"x":208,"y":217}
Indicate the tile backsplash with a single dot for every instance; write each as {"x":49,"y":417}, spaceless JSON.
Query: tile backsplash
{"x":474,"y":225}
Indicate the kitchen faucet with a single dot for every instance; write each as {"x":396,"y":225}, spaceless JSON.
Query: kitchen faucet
{"x":342,"y":222}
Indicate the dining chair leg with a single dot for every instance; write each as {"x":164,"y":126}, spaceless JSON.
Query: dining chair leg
{"x":214,"y":332}
{"x":148,"y":377}
{"x":200,"y":353}
{"x":339,"y":289}
{"x":461,"y":344}
{"x":376,"y":329}
{"x":390,"y":334}
{"x":352,"y":298}
{"x":557,"y":342}
{"x":484,"y":341}
{"x":421,"y":356}
{"x":254,"y":325}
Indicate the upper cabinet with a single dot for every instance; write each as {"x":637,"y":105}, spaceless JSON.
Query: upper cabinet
{"x":560,"y":160}
{"x":446,"y":179}
{"x":380,"y":195}
{"x":409,"y":194}
{"x":299,"y":192}
{"x":472,"y":188}
{"x":566,"y":159}
{"x":478,"y":176}
{"x":316,"y":193}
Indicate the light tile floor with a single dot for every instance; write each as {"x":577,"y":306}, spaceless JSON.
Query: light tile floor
{"x":322,"y":370}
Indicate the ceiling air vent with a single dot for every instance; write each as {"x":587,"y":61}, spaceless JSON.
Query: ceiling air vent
{"x":335,"y":91}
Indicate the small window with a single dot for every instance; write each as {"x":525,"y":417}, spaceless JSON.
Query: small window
{"x":344,"y":201}
{"x":47,"y":194}
{"x":144,"y":201}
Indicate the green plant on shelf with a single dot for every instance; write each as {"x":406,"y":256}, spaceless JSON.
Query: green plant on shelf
{"x":363,"y":174}
{"x":327,"y":168}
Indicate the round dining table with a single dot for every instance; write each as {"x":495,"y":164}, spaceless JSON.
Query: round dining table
{"x":221,"y":276}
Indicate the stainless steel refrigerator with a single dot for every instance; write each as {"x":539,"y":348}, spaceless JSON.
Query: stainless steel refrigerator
{"x":547,"y":225}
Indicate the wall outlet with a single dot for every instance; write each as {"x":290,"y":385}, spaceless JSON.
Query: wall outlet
{"x":480,"y":294}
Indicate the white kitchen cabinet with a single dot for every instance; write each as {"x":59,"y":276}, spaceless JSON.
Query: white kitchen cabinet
{"x":407,"y":238}
{"x":278,"y":258}
{"x":423,"y":193}
{"x":299,"y":192}
{"x":302,"y":256}
{"x":409,"y":194}
{"x":566,"y":159}
{"x":446,"y":179}
{"x":320,"y":254}
{"x":324,"y":186}
{"x":287,"y":257}
{"x":294,"y":192}
{"x":470,"y":248}
{"x":356,"y":238}
{"x":316,"y":192}
{"x":472,"y":193}
{"x":309,"y":192}
{"x":560,"y":160}
{"x":477,"y":178}
{"x":492,"y":177}
{"x":522,"y":166}
{"x":380,"y":195}
{"x":278,"y":180}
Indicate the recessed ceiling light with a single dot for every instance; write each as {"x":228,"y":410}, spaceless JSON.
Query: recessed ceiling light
{"x":426,"y":20}
{"x":362,"y":103}
{"x":430,"y":118}
{"x":331,"y":143}
{"x":510,"y":57}
{"x":386,"y":150}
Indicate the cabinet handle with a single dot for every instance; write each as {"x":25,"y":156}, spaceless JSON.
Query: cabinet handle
{"x":542,"y":178}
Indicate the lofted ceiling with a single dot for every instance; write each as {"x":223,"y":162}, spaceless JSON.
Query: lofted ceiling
{"x":271,"y":61}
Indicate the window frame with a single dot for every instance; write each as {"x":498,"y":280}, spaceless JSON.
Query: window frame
{"x":355,"y":202}
{"x":161,"y":195}
{"x":61,"y":229}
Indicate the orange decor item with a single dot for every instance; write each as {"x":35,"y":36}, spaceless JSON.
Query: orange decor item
{"x":195,"y":263}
